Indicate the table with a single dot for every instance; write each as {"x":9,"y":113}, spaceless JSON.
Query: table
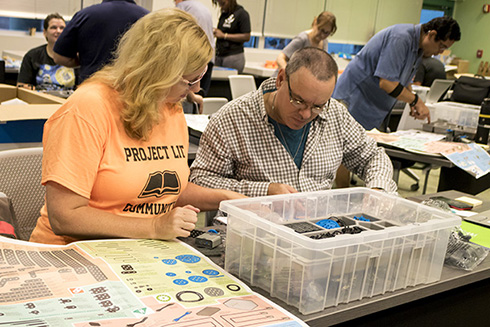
{"x":258,"y":69}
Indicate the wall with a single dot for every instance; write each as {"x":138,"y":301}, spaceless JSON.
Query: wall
{"x":475,"y":26}
{"x":20,"y":41}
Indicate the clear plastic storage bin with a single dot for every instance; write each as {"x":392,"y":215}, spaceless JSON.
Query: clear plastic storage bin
{"x":318,"y":249}
{"x":457,"y":113}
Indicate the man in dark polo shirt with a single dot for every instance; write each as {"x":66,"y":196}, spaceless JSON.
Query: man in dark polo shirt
{"x":92,"y":35}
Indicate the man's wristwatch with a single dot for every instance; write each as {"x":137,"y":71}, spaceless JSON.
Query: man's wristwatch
{"x":414,"y":102}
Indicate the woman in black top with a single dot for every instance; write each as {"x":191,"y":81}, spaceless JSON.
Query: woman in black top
{"x":233,"y":30}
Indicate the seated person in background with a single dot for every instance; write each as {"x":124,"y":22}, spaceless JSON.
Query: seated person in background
{"x":38,"y":68}
{"x":323,"y":26}
{"x":115,"y":154}
{"x":429,"y":70}
{"x":288,"y":136}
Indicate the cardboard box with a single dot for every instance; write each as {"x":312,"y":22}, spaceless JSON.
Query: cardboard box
{"x":463,"y":66}
{"x":24,"y":123}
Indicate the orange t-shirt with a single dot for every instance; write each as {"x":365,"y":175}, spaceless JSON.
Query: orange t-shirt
{"x":87,"y":151}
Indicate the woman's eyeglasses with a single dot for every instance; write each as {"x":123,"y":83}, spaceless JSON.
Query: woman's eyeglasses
{"x":197,"y":80}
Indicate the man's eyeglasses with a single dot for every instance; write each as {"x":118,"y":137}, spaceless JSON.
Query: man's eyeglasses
{"x":302,"y":105}
{"x":197,"y":80}
{"x":443,"y":46}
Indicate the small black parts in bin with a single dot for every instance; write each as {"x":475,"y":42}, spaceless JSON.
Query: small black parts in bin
{"x":303,"y":227}
{"x":208,"y":240}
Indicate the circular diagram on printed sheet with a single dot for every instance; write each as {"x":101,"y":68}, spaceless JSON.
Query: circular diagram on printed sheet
{"x":180,"y":282}
{"x":210,"y":272}
{"x":188,"y":258}
{"x":198,"y":279}
{"x":169,"y":261}
{"x":214,"y":291}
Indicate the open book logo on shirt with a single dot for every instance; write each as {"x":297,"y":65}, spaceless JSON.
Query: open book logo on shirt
{"x":161,"y":183}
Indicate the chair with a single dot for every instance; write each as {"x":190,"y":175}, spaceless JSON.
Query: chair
{"x":436,"y":91}
{"x":241,"y":84}
{"x":20,"y":179}
{"x":2,"y":71}
{"x":211,"y":105}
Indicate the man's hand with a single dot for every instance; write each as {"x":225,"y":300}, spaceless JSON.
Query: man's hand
{"x":420,"y":111}
{"x":277,"y":188}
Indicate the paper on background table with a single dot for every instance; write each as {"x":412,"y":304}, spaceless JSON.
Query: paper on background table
{"x":471,"y":157}
{"x":14,"y":101}
{"x":197,"y":122}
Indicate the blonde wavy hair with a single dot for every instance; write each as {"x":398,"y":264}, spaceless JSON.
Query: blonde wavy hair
{"x":151,"y":57}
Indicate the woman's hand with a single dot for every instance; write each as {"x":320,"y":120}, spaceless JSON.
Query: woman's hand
{"x":177,"y":223}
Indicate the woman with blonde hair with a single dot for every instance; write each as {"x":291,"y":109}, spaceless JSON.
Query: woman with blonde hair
{"x":323,"y":26}
{"x":115,"y":155}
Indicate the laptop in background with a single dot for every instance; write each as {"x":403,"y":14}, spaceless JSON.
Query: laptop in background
{"x":438,"y":88}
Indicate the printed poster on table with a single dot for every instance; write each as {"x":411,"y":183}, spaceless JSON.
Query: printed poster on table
{"x":133,"y":283}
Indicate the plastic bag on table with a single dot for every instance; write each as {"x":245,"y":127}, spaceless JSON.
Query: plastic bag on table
{"x":463,"y":254}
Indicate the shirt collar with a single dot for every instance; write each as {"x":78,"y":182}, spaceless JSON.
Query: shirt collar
{"x":416,"y":37}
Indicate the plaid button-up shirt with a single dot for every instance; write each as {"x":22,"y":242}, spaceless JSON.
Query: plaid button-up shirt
{"x":238,"y":150}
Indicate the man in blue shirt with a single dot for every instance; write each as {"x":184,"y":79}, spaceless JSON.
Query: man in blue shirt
{"x":92,"y":35}
{"x":382,"y":71}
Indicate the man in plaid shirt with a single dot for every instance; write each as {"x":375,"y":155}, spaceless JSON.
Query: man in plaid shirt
{"x":289,"y":136}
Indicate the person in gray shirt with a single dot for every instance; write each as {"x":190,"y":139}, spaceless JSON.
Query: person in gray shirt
{"x":430,"y":69}
{"x":203,"y":16}
{"x":323,"y":26}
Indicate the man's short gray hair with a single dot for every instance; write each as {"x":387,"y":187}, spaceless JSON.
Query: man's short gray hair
{"x":317,"y":61}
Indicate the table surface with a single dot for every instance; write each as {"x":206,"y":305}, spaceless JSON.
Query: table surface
{"x":418,"y":157}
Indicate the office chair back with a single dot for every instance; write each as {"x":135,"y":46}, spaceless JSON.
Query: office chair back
{"x":241,"y":84}
{"x":211,"y":105}
{"x":20,"y":179}
{"x":2,"y":71}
